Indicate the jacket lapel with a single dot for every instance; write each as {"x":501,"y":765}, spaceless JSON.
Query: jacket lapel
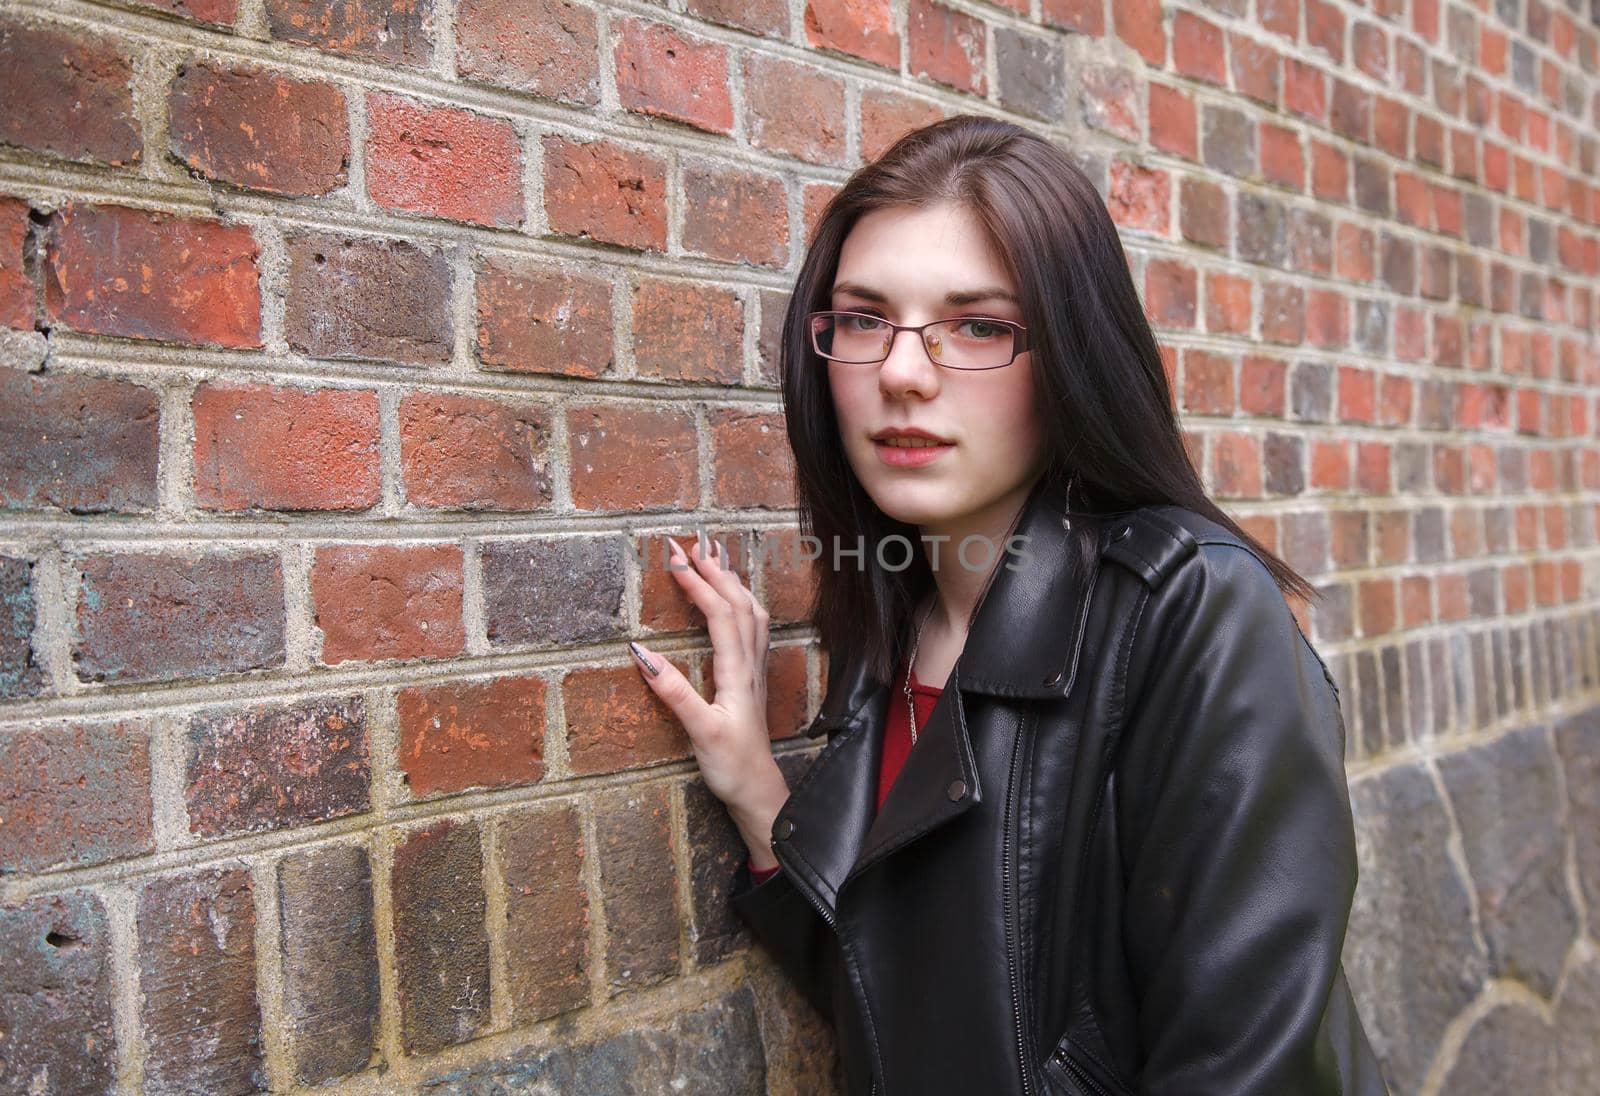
{"x":1023,"y":643}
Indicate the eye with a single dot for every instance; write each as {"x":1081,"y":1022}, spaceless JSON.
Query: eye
{"x":981,"y":329}
{"x":853,"y":321}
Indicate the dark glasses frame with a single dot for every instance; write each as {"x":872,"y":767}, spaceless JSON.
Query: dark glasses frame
{"x":1019,"y":338}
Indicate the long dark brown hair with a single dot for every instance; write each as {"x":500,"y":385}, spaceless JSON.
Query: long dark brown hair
{"x":1109,"y":420}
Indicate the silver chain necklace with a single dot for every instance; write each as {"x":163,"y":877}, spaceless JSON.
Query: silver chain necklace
{"x":911,"y":664}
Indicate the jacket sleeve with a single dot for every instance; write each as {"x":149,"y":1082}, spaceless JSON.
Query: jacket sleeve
{"x":1239,"y":847}
{"x":790,"y":929}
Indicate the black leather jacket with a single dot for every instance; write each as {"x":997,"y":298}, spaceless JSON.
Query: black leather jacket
{"x":1120,"y":858}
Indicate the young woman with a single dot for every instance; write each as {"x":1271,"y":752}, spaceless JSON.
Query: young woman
{"x":1081,"y":824}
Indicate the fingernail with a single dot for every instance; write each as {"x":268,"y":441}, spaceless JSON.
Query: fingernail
{"x":638,"y":653}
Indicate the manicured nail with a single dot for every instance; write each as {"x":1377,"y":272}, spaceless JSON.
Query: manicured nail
{"x":638,"y":653}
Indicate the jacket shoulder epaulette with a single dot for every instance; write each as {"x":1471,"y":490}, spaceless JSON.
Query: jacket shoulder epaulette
{"x":1153,"y":540}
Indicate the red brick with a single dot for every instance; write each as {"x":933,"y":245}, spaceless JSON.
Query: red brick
{"x":1173,"y":122}
{"x":1330,"y":172}
{"x":1228,"y":307}
{"x":1372,"y":467}
{"x":886,"y":116}
{"x":1140,"y":197}
{"x":1283,"y":313}
{"x":1305,"y":90}
{"x":687,"y":332}
{"x":1207,"y":383}
{"x":1236,"y":465}
{"x":329,"y":949}
{"x":57,"y":1003}
{"x":396,"y":31}
{"x":1280,"y":17}
{"x":1325,"y":29}
{"x":1255,"y":69}
{"x":366,"y":299}
{"x":1169,"y":292}
{"x":74,"y":795}
{"x":268,"y":448}
{"x":461,"y":735}
{"x":444,"y":162}
{"x":1261,"y":386}
{"x":1391,"y":127}
{"x":441,"y":941}
{"x":269,"y":767}
{"x":1330,"y":464}
{"x":1197,"y":49}
{"x":814,"y":201}
{"x":752,"y":464}
{"x":1327,"y":318}
{"x":548,"y":48}
{"x":473,"y":453}
{"x":947,"y":45}
{"x":773,"y":305}
{"x":861,"y":28}
{"x":615,"y":723}
{"x":71,"y":94}
{"x":790,"y":578}
{"x":664,"y":72}
{"x":252,"y":127}
{"x":533,"y":320}
{"x":115,"y":270}
{"x":17,"y":307}
{"x":740,"y":216}
{"x":1203,"y":212}
{"x":769,"y":17}
{"x":635,"y":849}
{"x":1083,"y":16}
{"x":219,"y":12}
{"x":1357,"y":395}
{"x":77,"y":443}
{"x":663,"y":606}
{"x":1110,"y":98}
{"x":793,"y":109}
{"x":547,"y":911}
{"x":1282,"y":162}
{"x":160,"y":617}
{"x":197,"y":983}
{"x":632,"y":457}
{"x":1139,"y":24}
{"x":788,"y":710}
{"x":1377,"y":609}
{"x":602,"y":191}
{"x":388,"y":601}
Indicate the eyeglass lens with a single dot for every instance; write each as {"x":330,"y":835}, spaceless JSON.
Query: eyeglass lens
{"x":969,"y":343}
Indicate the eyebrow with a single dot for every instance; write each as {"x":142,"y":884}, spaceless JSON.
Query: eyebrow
{"x":954,"y":297}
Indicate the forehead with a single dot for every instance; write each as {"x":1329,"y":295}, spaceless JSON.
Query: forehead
{"x":916,"y":251}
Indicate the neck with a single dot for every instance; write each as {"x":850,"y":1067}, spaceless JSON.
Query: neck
{"x":960,"y":576}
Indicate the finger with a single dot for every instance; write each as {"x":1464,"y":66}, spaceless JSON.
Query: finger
{"x":712,"y":565}
{"x":727,"y":641}
{"x":668,"y":683}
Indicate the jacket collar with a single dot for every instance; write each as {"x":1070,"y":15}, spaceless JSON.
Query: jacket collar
{"x":1015,"y":648}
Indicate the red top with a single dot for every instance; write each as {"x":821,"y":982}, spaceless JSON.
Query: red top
{"x":896,"y":744}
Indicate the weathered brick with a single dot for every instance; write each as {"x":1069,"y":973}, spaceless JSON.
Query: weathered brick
{"x":1197,"y":50}
{"x":1170,"y":289}
{"x":770,"y":17}
{"x":367,"y":299}
{"x":18,"y":308}
{"x":268,"y":766}
{"x":252,"y":127}
{"x":160,"y":617}
{"x":615,"y":722}
{"x":773,"y":304}
{"x":1084,"y":16}
{"x":553,"y":590}
{"x":1174,"y":125}
{"x":20,"y":671}
{"x":1140,"y":25}
{"x":740,"y":216}
{"x":269,"y":448}
{"x":1110,"y":100}
{"x":218,"y":12}
{"x":137,"y":274}
{"x":861,"y":28}
{"x":947,"y":45}
{"x":471,"y":453}
{"x":441,"y":944}
{"x":632,"y":457}
{"x":603,"y":191}
{"x":787,"y":708}
{"x":73,"y":795}
{"x":548,"y":48}
{"x":1030,"y":69}
{"x":665,"y":72}
{"x":71,"y":93}
{"x":75,"y":442}
{"x":790,"y":578}
{"x":715,"y":851}
{"x":688,"y":332}
{"x":443,"y":161}
{"x":751,"y":461}
{"x":634,"y":845}
{"x":532,"y":320}
{"x":377,"y":601}
{"x":329,"y":950}
{"x":397,"y":31}
{"x":794,"y":109}
{"x":547,"y":911}
{"x":886,"y":116}
{"x":663,"y":606}
{"x":197,"y":983}
{"x":1139,"y":197}
{"x":56,"y":996}
{"x":1228,"y":141}
{"x":468,"y":734}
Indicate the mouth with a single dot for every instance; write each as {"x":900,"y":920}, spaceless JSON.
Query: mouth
{"x":911,"y":448}
{"x":909,"y":439}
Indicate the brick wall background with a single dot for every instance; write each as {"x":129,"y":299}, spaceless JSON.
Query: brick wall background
{"x":357,"y":352}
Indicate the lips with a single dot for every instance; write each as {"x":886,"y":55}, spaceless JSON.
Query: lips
{"x":909,"y":437}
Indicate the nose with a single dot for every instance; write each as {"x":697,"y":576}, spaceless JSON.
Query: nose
{"x":908,"y":367}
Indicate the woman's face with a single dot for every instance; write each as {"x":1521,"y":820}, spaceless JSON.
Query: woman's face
{"x":911,"y":265}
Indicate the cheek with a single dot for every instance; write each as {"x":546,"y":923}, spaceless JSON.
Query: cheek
{"x":1008,"y":413}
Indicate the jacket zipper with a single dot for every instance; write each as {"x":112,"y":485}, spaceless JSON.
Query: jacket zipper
{"x":1081,"y":1075}
{"x":1015,"y":914}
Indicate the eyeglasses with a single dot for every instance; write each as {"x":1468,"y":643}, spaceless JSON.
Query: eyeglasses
{"x":970,"y":342}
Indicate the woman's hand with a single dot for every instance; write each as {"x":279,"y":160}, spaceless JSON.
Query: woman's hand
{"x":729,"y":735}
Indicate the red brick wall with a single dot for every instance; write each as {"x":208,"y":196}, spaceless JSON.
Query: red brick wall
{"x":355,"y":351}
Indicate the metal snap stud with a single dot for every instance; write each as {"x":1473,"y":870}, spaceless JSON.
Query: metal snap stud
{"x":785,"y":828}
{"x":957,"y":789}
{"x":1120,"y":533}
